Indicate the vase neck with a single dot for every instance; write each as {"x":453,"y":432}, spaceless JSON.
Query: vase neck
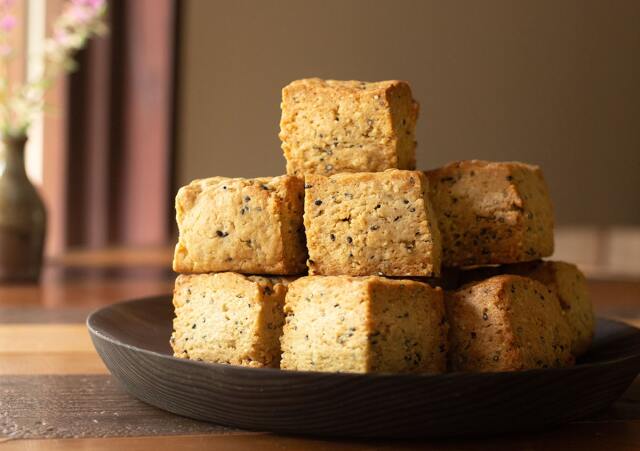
{"x":12,"y":155}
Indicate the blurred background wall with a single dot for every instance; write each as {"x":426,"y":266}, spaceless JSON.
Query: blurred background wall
{"x":547,"y":82}
{"x":181,"y":89}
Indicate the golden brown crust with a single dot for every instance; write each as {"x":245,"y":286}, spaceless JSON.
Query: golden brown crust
{"x":245,"y":225}
{"x":364,"y":324}
{"x":330,"y":126}
{"x":567,"y":282}
{"x":492,"y":213}
{"x":229,"y":318}
{"x":371,"y":223}
{"x":506,"y":323}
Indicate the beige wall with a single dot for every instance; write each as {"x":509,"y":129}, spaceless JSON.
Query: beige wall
{"x":555,"y":83}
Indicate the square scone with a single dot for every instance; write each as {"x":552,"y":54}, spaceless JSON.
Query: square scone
{"x":380,"y":223}
{"x":245,"y":225}
{"x":364,"y":325}
{"x":506,"y":323}
{"x":570,"y":285}
{"x":330,"y":126}
{"x":492,"y":213}
{"x":229,"y":318}
{"x":567,"y":282}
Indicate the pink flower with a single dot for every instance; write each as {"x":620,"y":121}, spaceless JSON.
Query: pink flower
{"x":79,"y":14}
{"x":60,"y":36}
{"x":93,"y":4}
{"x":7,"y":23}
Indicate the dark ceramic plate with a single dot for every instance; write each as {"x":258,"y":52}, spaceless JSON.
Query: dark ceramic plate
{"x":133,"y":340}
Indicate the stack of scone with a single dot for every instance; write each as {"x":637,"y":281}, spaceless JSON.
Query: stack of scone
{"x":372,"y":233}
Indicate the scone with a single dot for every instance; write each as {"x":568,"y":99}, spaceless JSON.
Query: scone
{"x":330,"y":126}
{"x":506,"y":323}
{"x":229,"y":318}
{"x":364,"y":325}
{"x":380,"y":223}
{"x":249,"y":226}
{"x":492,"y":213}
{"x":567,"y":282}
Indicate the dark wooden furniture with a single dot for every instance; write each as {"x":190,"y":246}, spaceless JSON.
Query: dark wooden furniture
{"x":55,"y":392}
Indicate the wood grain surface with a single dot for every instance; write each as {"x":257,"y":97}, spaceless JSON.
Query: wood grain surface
{"x":51,"y":392}
{"x":66,"y":406}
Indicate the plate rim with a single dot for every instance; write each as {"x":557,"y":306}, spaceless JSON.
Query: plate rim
{"x":345,"y":375}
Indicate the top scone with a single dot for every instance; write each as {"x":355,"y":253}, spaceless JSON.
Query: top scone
{"x":330,"y":126}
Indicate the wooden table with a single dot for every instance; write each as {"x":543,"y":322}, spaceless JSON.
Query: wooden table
{"x":55,"y":393}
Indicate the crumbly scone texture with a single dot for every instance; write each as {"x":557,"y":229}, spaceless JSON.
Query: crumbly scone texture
{"x":571,"y":286}
{"x":380,"y":223}
{"x":492,"y":213}
{"x":251,"y":226}
{"x":364,"y":325}
{"x":330,"y":126}
{"x":506,"y":323}
{"x":566,"y":281}
{"x":229,"y":318}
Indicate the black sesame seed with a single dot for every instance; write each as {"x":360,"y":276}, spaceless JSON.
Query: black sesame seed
{"x":485,"y":316}
{"x":332,"y":236}
{"x":307,"y":186}
{"x":247,"y":198}
{"x":318,"y":202}
{"x":349,"y":240}
{"x":221,"y":234}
